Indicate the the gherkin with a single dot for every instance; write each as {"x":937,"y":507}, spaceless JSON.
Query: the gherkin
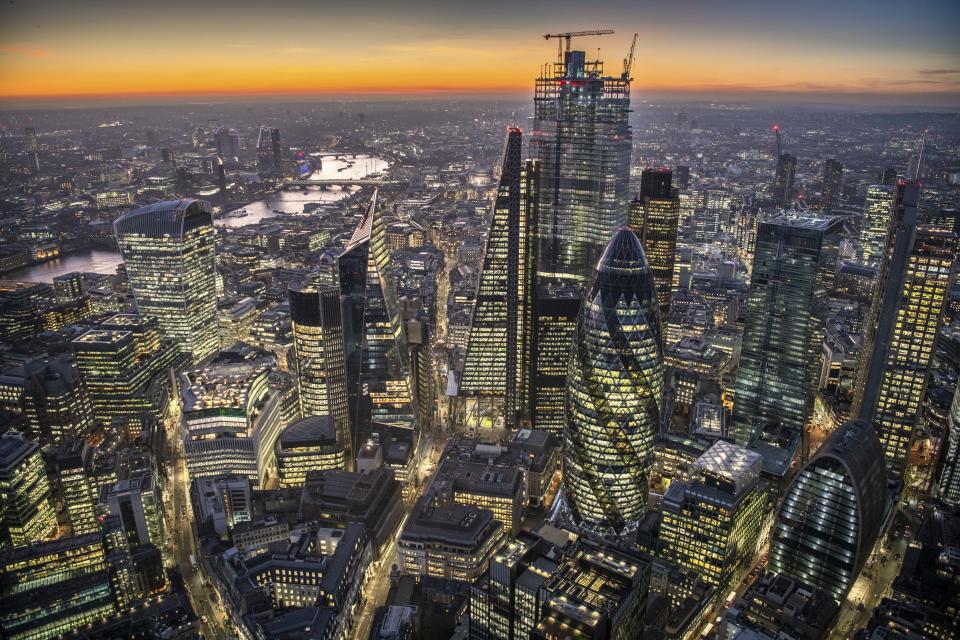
{"x":614,"y":391}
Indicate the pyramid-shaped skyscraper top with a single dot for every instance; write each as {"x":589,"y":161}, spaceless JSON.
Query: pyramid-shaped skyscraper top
{"x":379,"y":357}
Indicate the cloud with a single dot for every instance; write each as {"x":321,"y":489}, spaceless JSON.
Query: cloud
{"x":938,"y":72}
{"x":32,"y":52}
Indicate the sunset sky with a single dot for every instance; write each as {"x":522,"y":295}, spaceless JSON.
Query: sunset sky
{"x":873,"y":50}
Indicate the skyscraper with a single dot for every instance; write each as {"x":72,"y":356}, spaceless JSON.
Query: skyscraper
{"x":74,"y":466}
{"x":832,"y":514}
{"x":582,"y":141}
{"x":502,"y":313}
{"x":317,"y":322}
{"x":269,"y":155}
{"x":831,"y":186}
{"x":379,"y":357}
{"x":654,"y":216}
{"x":26,"y":512}
{"x":875,"y":226}
{"x":554,"y":323}
{"x":783,"y":182}
{"x":227,"y":142}
{"x":168,"y":250}
{"x":711,"y":523}
{"x":615,"y":390}
{"x":948,"y":488}
{"x":793,"y":260}
{"x":914,"y":281}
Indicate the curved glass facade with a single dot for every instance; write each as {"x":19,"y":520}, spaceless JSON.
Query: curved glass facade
{"x":949,"y":486}
{"x":832,"y":514}
{"x":614,"y":391}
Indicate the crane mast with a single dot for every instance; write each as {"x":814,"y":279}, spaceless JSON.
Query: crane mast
{"x":628,"y":61}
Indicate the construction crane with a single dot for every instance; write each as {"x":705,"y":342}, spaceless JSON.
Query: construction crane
{"x":564,"y":38}
{"x":776,"y":130}
{"x":628,"y":61}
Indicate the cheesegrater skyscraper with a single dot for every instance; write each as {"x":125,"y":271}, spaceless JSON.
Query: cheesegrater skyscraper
{"x":498,"y":349}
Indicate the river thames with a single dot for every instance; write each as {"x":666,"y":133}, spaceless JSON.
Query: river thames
{"x":335,"y":167}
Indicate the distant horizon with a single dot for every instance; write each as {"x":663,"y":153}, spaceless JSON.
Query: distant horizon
{"x":852,"y":101}
{"x":874,"y":53}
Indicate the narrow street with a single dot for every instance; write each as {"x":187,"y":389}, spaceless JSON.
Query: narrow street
{"x":181,"y":542}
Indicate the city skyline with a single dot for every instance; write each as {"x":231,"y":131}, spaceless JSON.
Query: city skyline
{"x":580,"y":365}
{"x":748,"y":50}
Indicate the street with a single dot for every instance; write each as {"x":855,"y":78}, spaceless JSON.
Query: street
{"x":181,"y":543}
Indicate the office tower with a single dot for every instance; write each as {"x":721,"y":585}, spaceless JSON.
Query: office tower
{"x":783,"y":182}
{"x":310,"y":444}
{"x":831,"y":186}
{"x":317,"y":321}
{"x":875,"y":226}
{"x":227,"y":143}
{"x":711,"y":523}
{"x":505,"y":603}
{"x":615,"y":391}
{"x":53,"y":589}
{"x":888,"y":177}
{"x":80,"y":490}
{"x":52,"y":395}
{"x":137,"y":503}
{"x":556,"y":308}
{"x":269,"y":154}
{"x":595,"y":593}
{"x":500,"y":330}
{"x":69,"y":286}
{"x":832,"y":514}
{"x":377,"y":357}
{"x":914,"y":282}
{"x":447,"y":540}
{"x":582,"y":141}
{"x":948,"y":488}
{"x":681,"y":173}
{"x":231,"y":420}
{"x":654,"y":216}
{"x":30,"y":139}
{"x":123,"y":364}
{"x":26,"y":511}
{"x":421,"y":371}
{"x":793,"y":262}
{"x":168,"y":251}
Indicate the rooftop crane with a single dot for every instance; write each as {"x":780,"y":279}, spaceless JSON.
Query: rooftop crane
{"x":564,"y":38}
{"x":628,"y":61}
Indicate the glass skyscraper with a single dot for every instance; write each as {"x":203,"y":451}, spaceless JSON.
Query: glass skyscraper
{"x":498,"y":349}
{"x":317,"y":323}
{"x":654,"y":216}
{"x":948,"y":489}
{"x":793,"y":259}
{"x":582,"y":140}
{"x":914,"y":282}
{"x":877,"y":212}
{"x":168,"y":250}
{"x":378,"y":355}
{"x":711,"y":523}
{"x":832,"y":514}
{"x":614,"y":390}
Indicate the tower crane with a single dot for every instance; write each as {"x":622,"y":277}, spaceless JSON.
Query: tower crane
{"x":628,"y":61}
{"x":563,"y":43}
